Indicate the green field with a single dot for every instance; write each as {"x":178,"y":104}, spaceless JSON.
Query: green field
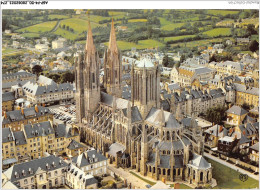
{"x":78,"y":25}
{"x":57,"y":16}
{"x":221,"y":12}
{"x":67,"y":34}
{"x":218,"y":31}
{"x":172,"y":26}
{"x":176,"y":38}
{"x":38,"y":28}
{"x":228,"y":178}
{"x":255,"y":37}
{"x":199,"y":42}
{"x":142,"y":44}
{"x":137,"y":20}
{"x":30,"y":35}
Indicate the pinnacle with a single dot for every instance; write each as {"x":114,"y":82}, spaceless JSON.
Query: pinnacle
{"x":90,"y":47}
{"x":112,"y":40}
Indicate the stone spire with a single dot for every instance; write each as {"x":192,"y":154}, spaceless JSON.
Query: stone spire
{"x":90,"y":47}
{"x":112,"y":40}
{"x":162,"y":118}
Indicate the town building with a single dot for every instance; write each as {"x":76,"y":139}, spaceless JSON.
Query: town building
{"x":60,"y":43}
{"x":34,"y":140}
{"x":236,"y":115}
{"x":48,"y":94}
{"x":78,"y":179}
{"x":134,"y":133}
{"x":8,"y":99}
{"x":42,"y":47}
{"x":227,"y":68}
{"x":43,"y":81}
{"x":44,"y":173}
{"x":15,"y":119}
{"x":186,"y":74}
{"x":246,"y":94}
{"x":21,"y":75}
{"x":91,"y":162}
{"x":195,"y":101}
{"x":254,"y":153}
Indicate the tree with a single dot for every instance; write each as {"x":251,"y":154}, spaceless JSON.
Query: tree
{"x":253,"y":46}
{"x":37,"y":69}
{"x":216,"y":115}
{"x":165,"y":61}
{"x":67,"y":77}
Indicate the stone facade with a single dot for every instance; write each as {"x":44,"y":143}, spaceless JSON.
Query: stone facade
{"x":138,"y":133}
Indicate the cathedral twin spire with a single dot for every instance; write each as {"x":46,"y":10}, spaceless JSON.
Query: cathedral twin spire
{"x":112,"y":40}
{"x":90,"y":47}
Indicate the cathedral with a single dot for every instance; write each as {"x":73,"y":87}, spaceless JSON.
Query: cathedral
{"x":135,"y":133}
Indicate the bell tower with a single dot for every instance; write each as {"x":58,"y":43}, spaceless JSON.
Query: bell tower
{"x":91,"y":76}
{"x":79,"y":95}
{"x":113,"y":66}
{"x":145,"y":86}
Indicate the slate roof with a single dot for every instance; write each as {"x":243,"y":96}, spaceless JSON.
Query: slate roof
{"x":34,"y":165}
{"x":45,"y":80}
{"x":249,"y":129}
{"x":215,"y":131}
{"x":196,"y":94}
{"x":19,"y":138}
{"x":17,"y":75}
{"x":74,"y":145}
{"x":244,"y":140}
{"x":108,"y":100}
{"x":135,"y":114}
{"x":237,"y":110}
{"x":116,"y":147}
{"x":7,"y":135}
{"x":165,"y":161}
{"x":245,"y":89}
{"x":84,"y":159}
{"x":255,"y":147}
{"x":234,"y":65}
{"x":199,"y":162}
{"x":177,"y":145}
{"x":174,"y":86}
{"x":37,"y":90}
{"x":62,"y":130}
{"x":154,"y":117}
{"x":8,"y":96}
{"x":17,"y":115}
{"x":38,"y":129}
{"x":85,"y":178}
{"x":17,"y":82}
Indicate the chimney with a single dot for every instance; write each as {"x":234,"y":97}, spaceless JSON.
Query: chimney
{"x":244,"y":132}
{"x":230,"y":130}
{"x":5,"y":115}
{"x":36,"y":108}
{"x":220,"y":128}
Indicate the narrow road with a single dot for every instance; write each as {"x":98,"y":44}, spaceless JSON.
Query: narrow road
{"x":56,"y":26}
{"x":256,"y":177}
{"x":135,"y":181}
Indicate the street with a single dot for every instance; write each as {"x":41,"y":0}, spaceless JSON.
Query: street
{"x":135,"y":181}
{"x":231,"y":166}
